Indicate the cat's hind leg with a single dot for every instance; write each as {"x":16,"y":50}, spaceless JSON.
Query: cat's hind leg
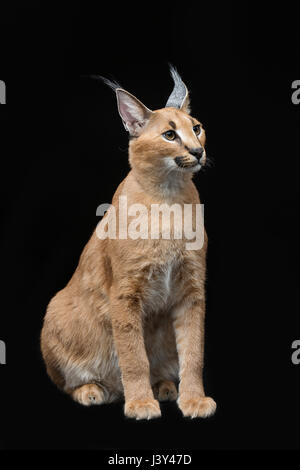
{"x":163,"y":357}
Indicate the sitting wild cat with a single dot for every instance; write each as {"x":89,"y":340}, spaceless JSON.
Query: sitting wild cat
{"x":130,"y":322}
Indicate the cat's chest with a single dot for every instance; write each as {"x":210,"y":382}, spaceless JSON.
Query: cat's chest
{"x":162,"y":286}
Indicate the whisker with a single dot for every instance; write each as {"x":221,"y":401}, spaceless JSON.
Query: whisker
{"x":209,"y":162}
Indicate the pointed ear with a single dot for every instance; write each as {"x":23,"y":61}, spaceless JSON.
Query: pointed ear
{"x":134,"y":114}
{"x":179,"y":98}
{"x":186,"y":104}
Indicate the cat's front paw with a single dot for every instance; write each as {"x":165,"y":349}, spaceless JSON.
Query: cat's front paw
{"x":142,"y":409}
{"x":197,"y":406}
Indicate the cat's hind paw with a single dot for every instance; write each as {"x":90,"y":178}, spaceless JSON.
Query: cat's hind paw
{"x":165,"y":390}
{"x":88,"y":394}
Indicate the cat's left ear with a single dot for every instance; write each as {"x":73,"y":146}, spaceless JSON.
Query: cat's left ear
{"x":179,"y":97}
{"x":135,"y":115}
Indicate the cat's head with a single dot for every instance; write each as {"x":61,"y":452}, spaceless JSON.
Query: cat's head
{"x":168,"y":138}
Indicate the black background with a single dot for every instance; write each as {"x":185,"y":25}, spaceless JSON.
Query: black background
{"x":64,"y":151}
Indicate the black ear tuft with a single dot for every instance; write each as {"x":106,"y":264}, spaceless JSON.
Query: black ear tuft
{"x":113,"y":84}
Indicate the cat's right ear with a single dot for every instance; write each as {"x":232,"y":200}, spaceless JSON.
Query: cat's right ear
{"x":134,"y":114}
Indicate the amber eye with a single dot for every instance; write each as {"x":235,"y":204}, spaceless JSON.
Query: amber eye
{"x":197,"y":129}
{"x":170,"y":135}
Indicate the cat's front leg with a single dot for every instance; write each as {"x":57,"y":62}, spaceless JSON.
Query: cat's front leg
{"x":189,"y":332}
{"x":126,"y":314}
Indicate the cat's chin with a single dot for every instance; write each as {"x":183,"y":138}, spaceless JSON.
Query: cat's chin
{"x":191,"y":169}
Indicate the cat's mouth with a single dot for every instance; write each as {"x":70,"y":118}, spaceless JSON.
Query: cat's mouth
{"x":185,"y":163}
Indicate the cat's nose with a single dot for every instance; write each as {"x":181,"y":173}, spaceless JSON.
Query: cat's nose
{"x":197,"y":152}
